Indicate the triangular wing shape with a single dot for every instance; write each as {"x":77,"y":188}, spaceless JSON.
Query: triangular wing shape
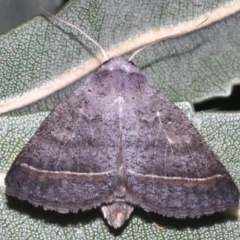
{"x":171,"y":169}
{"x":71,"y":161}
{"x":116,"y":142}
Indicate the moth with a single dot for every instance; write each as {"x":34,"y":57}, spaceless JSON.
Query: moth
{"x":117,"y":143}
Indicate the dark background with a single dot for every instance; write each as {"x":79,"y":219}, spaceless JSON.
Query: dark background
{"x":15,"y":12}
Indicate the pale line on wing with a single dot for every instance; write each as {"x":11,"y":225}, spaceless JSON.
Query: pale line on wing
{"x":64,"y":172}
{"x":166,"y":135}
{"x":176,"y":178}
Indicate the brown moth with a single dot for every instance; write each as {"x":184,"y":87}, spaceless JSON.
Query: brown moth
{"x":117,"y":143}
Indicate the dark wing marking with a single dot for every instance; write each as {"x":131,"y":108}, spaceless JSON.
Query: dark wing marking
{"x":171,"y":169}
{"x":71,"y":161}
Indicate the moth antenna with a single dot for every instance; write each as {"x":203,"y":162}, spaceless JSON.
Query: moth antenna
{"x":162,"y":39}
{"x":82,"y":32}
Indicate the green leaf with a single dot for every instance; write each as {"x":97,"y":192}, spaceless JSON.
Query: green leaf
{"x":41,"y":57}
